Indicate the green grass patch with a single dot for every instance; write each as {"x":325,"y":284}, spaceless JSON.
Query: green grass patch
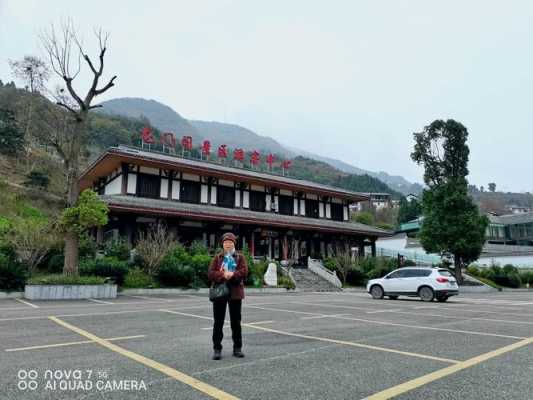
{"x":59,"y":279}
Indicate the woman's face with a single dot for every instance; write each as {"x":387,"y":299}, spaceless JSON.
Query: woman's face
{"x":228,"y":245}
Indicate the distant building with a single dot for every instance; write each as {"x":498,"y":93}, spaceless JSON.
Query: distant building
{"x":511,"y":229}
{"x":377,"y":201}
{"x":519,"y":209}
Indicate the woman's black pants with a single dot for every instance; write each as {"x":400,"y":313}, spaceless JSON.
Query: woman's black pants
{"x":219,"y":313}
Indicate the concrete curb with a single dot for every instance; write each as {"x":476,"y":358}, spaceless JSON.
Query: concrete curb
{"x":70,"y":292}
{"x":141,"y":292}
{"x":11,"y":295}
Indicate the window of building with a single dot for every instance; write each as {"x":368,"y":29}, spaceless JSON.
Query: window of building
{"x":148,"y":186}
{"x":190,"y":192}
{"x":337,"y":212}
{"x":257,"y":201}
{"x":225,"y":196}
{"x":311,"y":208}
{"x":286,"y":205}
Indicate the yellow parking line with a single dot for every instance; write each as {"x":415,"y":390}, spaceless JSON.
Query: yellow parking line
{"x":323,"y":339}
{"x":441,"y":373}
{"x":173,"y":373}
{"x":47,"y":346}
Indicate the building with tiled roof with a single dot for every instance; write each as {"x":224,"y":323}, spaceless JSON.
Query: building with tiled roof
{"x":276,"y":216}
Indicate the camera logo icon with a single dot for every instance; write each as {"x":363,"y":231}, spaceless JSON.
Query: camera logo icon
{"x":27,"y":379}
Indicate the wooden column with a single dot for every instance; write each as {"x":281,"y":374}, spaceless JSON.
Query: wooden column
{"x":362,"y":247}
{"x":373,"y":246}
{"x":285,"y":248}
{"x":252,"y":244}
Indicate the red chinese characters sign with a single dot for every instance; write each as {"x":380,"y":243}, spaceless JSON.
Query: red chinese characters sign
{"x":222,"y":151}
{"x":186,"y":143}
{"x":169,"y":143}
{"x":255,"y":158}
{"x":238,"y":155}
{"x":147,"y":136}
{"x":206,"y":148}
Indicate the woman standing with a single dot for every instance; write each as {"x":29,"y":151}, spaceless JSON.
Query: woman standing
{"x":228,"y":266}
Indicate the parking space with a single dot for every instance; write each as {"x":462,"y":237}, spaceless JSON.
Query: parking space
{"x":298,"y":346}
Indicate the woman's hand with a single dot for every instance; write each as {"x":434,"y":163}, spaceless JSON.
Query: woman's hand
{"x":228,"y":275}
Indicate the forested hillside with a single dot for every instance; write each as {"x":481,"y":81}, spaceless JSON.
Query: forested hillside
{"x":31,"y":165}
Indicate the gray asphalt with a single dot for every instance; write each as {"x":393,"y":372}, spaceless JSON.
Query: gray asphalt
{"x":304,"y":346}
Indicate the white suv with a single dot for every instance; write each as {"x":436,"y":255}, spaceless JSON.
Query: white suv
{"x":426,"y":283}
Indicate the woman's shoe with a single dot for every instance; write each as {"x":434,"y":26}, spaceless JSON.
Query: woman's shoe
{"x":238,"y":353}
{"x":217,"y":355}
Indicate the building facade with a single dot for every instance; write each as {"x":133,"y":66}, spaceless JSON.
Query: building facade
{"x":277,"y":217}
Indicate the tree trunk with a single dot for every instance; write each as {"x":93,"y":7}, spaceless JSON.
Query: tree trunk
{"x":70,"y":267}
{"x":458,"y":269}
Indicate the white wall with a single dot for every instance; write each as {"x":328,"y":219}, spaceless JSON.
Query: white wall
{"x":114,"y":187}
{"x":132,"y":184}
{"x":164,"y":188}
{"x":175,"y":190}
{"x":203,"y":194}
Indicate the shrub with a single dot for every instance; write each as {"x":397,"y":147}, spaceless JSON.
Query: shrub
{"x":364,"y":217}
{"x":329,"y":263}
{"x":87,"y":246}
{"x":118,"y":248}
{"x":200,"y":265}
{"x":256,"y":273}
{"x":105,"y":267}
{"x":137,"y":278}
{"x":513,"y":280}
{"x":510,"y":269}
{"x":527,"y":277}
{"x":60,"y":279}
{"x":198,"y":247}
{"x":12,"y":275}
{"x":55,"y":263}
{"x":473,"y":270}
{"x":356,"y":277}
{"x":175,"y":275}
{"x":285,"y":281}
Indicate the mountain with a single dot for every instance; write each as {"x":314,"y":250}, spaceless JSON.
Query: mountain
{"x":166,"y":119}
{"x":160,"y":116}
{"x":238,"y":136}
{"x":395,"y":182}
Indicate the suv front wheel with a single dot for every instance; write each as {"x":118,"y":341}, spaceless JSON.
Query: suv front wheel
{"x":377,"y":292}
{"x":426,"y":293}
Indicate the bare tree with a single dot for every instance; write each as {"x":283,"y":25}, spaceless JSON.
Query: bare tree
{"x":34,"y":73}
{"x":65,"y":51}
{"x":153,"y":246}
{"x":343,"y":263}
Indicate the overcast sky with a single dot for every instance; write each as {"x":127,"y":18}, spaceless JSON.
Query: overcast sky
{"x":351,"y":80}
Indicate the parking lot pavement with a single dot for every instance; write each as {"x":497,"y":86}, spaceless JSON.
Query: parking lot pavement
{"x":298,"y":346}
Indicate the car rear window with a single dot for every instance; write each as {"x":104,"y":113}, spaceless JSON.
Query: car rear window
{"x":422,"y":272}
{"x":444,"y":272}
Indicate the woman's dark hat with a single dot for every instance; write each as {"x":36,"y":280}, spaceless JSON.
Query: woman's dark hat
{"x":229,"y":236}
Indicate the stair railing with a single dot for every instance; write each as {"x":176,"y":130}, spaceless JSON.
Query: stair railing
{"x":319,"y":269}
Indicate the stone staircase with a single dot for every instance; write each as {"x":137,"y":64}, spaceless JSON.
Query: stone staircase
{"x":308,"y":281}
